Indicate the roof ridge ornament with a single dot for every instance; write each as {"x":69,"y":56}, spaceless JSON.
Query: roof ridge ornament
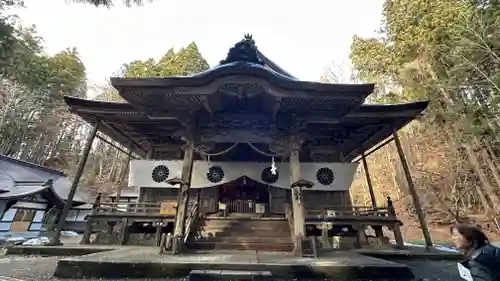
{"x":245,"y":51}
{"x":249,"y":39}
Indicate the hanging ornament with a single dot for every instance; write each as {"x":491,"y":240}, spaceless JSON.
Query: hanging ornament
{"x":274,"y":169}
{"x":209,"y":164}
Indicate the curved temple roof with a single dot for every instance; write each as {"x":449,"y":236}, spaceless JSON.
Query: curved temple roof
{"x":246,"y":98}
{"x":245,"y":73}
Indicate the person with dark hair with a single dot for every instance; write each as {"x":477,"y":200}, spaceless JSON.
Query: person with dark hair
{"x":481,"y":258}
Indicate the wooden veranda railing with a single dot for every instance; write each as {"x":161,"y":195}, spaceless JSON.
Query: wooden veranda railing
{"x":241,"y":206}
{"x":343,"y":211}
{"x":132,"y":207}
{"x":359,"y":218}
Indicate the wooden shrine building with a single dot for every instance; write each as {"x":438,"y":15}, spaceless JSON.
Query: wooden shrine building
{"x":32,"y":196}
{"x":246,"y":155}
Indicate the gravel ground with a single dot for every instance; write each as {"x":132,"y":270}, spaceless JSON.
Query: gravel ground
{"x":17,"y":268}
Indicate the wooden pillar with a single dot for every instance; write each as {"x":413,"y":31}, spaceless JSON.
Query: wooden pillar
{"x":183,"y":198}
{"x":297,"y":203}
{"x":369,"y":181}
{"x":396,"y":230}
{"x":3,"y":206}
{"x":109,"y":228}
{"x":324,"y":236}
{"x":90,"y":221}
{"x":361,"y":236}
{"x":140,"y":197}
{"x":119,"y":191}
{"x":123,"y":232}
{"x":379,"y":232}
{"x":69,"y":201}
{"x":413,"y":192}
{"x":159,"y":225}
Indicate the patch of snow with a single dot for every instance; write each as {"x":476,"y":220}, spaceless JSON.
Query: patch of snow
{"x":437,"y":247}
{"x":413,"y":245}
{"x":15,"y":240}
{"x":69,"y":233}
{"x":37,"y":241}
{"x":446,"y":249}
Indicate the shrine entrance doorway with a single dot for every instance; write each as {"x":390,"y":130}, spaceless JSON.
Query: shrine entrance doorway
{"x":244,"y":196}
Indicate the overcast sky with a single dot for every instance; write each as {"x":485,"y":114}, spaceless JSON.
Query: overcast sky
{"x":301,"y":36}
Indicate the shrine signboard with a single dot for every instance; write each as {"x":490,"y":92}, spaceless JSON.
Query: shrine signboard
{"x":168,"y":207}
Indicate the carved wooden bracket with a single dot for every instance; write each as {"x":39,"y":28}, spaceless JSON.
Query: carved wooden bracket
{"x":176,"y":181}
{"x":301,"y":183}
{"x":296,"y":141}
{"x":276,"y":107}
{"x":206,"y":105}
{"x":203,"y":146}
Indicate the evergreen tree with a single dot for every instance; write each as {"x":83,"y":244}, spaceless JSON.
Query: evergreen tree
{"x":184,"y":62}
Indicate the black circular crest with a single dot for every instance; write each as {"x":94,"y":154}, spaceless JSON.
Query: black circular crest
{"x":215,"y":174}
{"x":160,"y":173}
{"x":325,"y":176}
{"x":268,"y":177}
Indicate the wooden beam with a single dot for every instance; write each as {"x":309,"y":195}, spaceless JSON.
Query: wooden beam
{"x":131,"y":141}
{"x":369,"y":182}
{"x":74,"y":185}
{"x":413,"y":191}
{"x":115,"y":146}
{"x":119,"y":191}
{"x":183,"y":198}
{"x":373,"y":150}
{"x":363,"y":147}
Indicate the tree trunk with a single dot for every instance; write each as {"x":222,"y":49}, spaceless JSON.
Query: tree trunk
{"x":491,"y":166}
{"x":123,"y":171}
{"x":489,"y":189}
{"x":57,"y":145}
{"x":112,"y":172}
{"x":444,"y":207}
{"x":490,"y":149}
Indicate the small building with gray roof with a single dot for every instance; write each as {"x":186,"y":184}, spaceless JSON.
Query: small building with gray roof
{"x":31,"y":196}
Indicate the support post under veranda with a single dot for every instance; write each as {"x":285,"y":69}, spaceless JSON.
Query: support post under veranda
{"x":378,"y":229}
{"x":413,"y":192}
{"x":69,"y":201}
{"x":90,"y":221}
{"x":120,"y":186}
{"x":369,"y":181}
{"x":183,"y":198}
{"x":297,"y":202}
{"x":140,"y":199}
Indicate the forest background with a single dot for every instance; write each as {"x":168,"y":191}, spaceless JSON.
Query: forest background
{"x":447,"y":51}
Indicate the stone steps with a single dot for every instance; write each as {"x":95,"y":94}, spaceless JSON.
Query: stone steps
{"x":237,"y":233}
{"x":264,"y":235}
{"x":211,"y":245}
{"x":246,"y":239}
